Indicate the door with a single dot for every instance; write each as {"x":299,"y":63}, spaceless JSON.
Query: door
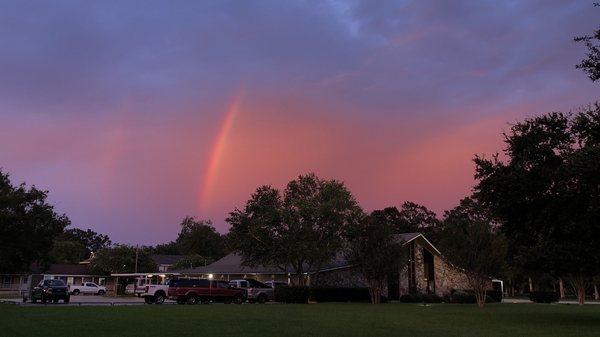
{"x":394,"y":286}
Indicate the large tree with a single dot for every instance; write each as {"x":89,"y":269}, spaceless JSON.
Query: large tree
{"x":68,"y":252}
{"x":91,"y":240}
{"x":410,"y":218}
{"x":74,"y":245}
{"x":546,"y":194}
{"x":376,"y":251}
{"x":591,"y":64}
{"x":28,"y":226}
{"x":301,"y":228}
{"x":471,"y":243}
{"x":200,"y":237}
{"x":122,"y":259}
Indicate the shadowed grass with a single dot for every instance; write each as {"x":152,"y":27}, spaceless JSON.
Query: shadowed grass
{"x":335,"y":319}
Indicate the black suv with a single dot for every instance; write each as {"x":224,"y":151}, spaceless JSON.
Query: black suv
{"x":50,"y":290}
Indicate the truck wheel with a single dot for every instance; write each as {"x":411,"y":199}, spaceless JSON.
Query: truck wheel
{"x":180,"y":301}
{"x":76,"y":292}
{"x":100,"y":292}
{"x":149,"y":299}
{"x":238,"y":299}
{"x":262,"y":298}
{"x":159,"y":298}
{"x":191,"y":299}
{"x":55,"y":300}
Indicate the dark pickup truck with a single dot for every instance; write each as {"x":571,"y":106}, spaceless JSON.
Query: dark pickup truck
{"x":192,"y":291}
{"x":50,"y":290}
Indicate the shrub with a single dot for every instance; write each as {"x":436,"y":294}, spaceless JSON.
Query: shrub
{"x":292,"y":294}
{"x":460,"y":297}
{"x":495,"y":296}
{"x":420,"y":298}
{"x":468,"y":297}
{"x":544,"y":296}
{"x":330,"y":294}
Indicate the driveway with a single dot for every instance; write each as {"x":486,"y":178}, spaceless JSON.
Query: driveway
{"x":82,"y":300}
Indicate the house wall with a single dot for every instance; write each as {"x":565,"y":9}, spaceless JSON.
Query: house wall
{"x":446,"y":276}
{"x":338,"y":278}
{"x":12,"y":284}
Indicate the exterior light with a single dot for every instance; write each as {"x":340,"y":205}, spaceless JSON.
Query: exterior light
{"x":163,"y":275}
{"x":150,"y":275}
{"x":210,"y":276}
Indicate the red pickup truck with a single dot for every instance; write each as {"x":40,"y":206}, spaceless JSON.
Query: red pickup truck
{"x":192,"y":291}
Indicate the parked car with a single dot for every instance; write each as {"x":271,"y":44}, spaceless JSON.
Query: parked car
{"x":87,"y":288}
{"x":50,"y":290}
{"x":192,"y":291}
{"x":275,"y":284}
{"x":256,"y":291}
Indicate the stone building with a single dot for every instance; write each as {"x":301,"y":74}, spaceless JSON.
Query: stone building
{"x":427,"y":271}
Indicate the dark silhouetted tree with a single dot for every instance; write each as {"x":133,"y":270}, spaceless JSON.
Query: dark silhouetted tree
{"x":192,"y":261}
{"x":591,"y":64}
{"x":28,"y":226}
{"x":471,"y":243}
{"x":200,"y":237}
{"x":302,"y":229}
{"x":121,"y":259}
{"x":376,"y":251}
{"x":546,"y":195}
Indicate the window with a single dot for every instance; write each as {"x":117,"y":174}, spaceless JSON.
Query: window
{"x":6,"y":282}
{"x":70,"y":280}
{"x":222,"y":284}
{"x":256,"y":284}
{"x":58,"y":283}
{"x":102,"y":281}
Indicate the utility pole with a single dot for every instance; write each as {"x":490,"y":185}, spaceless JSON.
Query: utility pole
{"x":136,"y":258}
{"x":135,"y":269}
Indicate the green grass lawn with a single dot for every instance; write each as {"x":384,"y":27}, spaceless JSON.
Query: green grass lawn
{"x":302,"y":320}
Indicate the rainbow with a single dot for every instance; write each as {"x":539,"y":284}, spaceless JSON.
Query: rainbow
{"x":216,"y":153}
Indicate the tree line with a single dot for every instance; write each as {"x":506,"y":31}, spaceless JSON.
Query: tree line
{"x":33,"y":234}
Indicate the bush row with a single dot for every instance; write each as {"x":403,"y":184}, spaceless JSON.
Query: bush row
{"x":468,"y":297}
{"x":544,"y":296}
{"x":322,"y":294}
{"x":292,"y":294}
{"x":421,"y":298}
{"x":298,"y":294}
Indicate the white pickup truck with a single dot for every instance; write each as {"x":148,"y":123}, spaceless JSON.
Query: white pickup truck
{"x":156,"y":289}
{"x":155,"y":293}
{"x":87,"y":288}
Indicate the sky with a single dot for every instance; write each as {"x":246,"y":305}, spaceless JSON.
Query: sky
{"x":135,"y":114}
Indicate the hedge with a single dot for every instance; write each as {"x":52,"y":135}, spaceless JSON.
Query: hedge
{"x":495,"y":295}
{"x":420,"y":298}
{"x":544,"y":296}
{"x":292,"y":294}
{"x":468,"y":297}
{"x":330,"y":294}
